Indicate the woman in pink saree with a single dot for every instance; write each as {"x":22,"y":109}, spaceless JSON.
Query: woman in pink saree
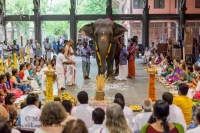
{"x":9,"y":85}
{"x":174,"y":76}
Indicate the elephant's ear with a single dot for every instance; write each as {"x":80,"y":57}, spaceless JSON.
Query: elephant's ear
{"x":88,"y":30}
{"x":119,"y":30}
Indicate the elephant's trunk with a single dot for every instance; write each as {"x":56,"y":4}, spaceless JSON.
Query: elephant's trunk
{"x":103,"y":51}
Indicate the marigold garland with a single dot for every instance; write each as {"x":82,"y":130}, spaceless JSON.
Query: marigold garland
{"x":15,"y":61}
{"x":152,"y":88}
{"x":9,"y":61}
{"x":49,"y":88}
{"x":98,"y":55}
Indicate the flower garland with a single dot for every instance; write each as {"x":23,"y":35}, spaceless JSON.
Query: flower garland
{"x":15,"y":60}
{"x":8,"y":61}
{"x":152,"y":88}
{"x":2,"y":71}
{"x":49,"y":86}
{"x":98,"y":55}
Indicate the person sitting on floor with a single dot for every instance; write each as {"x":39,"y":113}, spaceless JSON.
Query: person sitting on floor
{"x":120,"y":102}
{"x":98,"y":116}
{"x":3,"y":90}
{"x":197,"y":123}
{"x":115,"y":121}
{"x":196,"y":92}
{"x":182,"y":76}
{"x":30,"y":115}
{"x":191,"y":79}
{"x":17,"y":82}
{"x":157,"y":59}
{"x":168,"y":68}
{"x":68,"y":108}
{"x":175,"y":113}
{"x":27,"y":77}
{"x":128,"y":112}
{"x":86,"y":115}
{"x":161,"y":112}
{"x":10,"y":84}
{"x":142,"y":119}
{"x":147,"y":55}
{"x":173,"y":77}
{"x":184,"y":103}
{"x":12,"y":109}
{"x":53,"y":117}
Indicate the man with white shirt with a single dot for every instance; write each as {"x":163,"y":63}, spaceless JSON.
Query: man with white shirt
{"x":120,"y":102}
{"x":30,"y":115}
{"x":98,"y":116}
{"x":83,"y":111}
{"x":147,"y":55}
{"x":175,"y":113}
{"x":197,"y":123}
{"x":128,"y":112}
{"x":142,"y":118}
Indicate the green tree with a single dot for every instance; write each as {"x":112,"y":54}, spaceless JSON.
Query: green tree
{"x":16,"y":7}
{"x":52,"y":28}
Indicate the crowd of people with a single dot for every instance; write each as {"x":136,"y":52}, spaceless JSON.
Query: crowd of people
{"x":167,"y":115}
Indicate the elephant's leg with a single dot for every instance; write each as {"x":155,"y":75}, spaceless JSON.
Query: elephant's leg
{"x":117,"y":65}
{"x":98,"y":66}
{"x":110,"y":67}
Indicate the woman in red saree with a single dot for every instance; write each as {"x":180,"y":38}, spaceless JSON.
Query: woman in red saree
{"x":131,"y":59}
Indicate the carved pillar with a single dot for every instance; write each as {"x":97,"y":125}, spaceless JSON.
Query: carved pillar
{"x":145,"y":24}
{"x":73,"y":23}
{"x":109,"y":9}
{"x":182,"y":11}
{"x":37,"y":21}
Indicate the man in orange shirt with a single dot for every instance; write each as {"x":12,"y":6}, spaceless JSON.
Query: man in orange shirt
{"x":184,"y":103}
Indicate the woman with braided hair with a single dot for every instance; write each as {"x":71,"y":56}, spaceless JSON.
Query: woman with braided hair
{"x":160,"y":113}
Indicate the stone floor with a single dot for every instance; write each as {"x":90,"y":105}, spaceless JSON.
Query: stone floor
{"x":134,"y":90}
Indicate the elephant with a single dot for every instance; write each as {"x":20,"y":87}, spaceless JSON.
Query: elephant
{"x":104,"y":33}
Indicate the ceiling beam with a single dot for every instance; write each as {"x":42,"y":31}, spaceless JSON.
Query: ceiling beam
{"x":90,"y":17}
{"x":56,"y":17}
{"x":19,"y":18}
{"x":163,"y":16}
{"x":127,"y":17}
{"x":192,"y":16}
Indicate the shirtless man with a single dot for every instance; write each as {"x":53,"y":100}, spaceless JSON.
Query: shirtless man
{"x":69,"y":55}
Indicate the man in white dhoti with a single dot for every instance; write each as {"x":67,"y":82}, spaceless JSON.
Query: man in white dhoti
{"x":71,"y":69}
{"x":60,"y":61}
{"x":123,"y":68}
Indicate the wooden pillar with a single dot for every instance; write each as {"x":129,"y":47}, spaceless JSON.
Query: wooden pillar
{"x":73,"y":23}
{"x":145,"y":24}
{"x":37,"y":21}
{"x":182,"y":11}
{"x":109,"y":9}
{"x":2,"y":17}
